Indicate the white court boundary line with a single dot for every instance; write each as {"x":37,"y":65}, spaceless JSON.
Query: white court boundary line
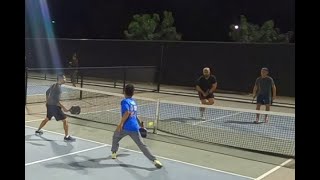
{"x":34,"y":120}
{"x":174,"y":160}
{"x":56,"y":157}
{"x":221,"y":117}
{"x":273,"y":170}
{"x":64,"y":135}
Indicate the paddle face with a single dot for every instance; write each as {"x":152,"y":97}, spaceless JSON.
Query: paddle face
{"x":75,"y":110}
{"x":143,"y":132}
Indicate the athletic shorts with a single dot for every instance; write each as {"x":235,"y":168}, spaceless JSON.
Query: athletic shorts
{"x":56,"y":112}
{"x":263,"y":99}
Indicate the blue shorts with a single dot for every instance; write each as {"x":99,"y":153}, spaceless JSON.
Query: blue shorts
{"x":263,"y":99}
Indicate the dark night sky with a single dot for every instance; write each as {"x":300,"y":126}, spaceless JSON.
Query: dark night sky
{"x":197,"y":20}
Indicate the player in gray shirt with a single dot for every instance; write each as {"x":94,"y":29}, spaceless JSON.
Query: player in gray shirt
{"x":54,"y":108}
{"x":262,"y":90}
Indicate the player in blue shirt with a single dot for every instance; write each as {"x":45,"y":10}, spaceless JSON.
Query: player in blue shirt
{"x":129,"y":125}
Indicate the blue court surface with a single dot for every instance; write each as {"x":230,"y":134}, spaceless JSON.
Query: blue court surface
{"x":41,"y":89}
{"x":49,"y":157}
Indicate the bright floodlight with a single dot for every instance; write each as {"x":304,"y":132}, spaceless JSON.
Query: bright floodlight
{"x":236,"y":27}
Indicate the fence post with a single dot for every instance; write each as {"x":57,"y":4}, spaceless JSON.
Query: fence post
{"x":160,"y":68}
{"x":124,"y":77}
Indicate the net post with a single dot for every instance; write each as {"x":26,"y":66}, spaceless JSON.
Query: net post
{"x":160,"y":69}
{"x":155,"y":127}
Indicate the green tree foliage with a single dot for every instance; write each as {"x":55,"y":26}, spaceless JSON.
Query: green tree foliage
{"x":150,"y":27}
{"x":248,"y":32}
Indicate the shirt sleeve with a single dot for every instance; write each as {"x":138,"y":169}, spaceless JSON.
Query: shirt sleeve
{"x":272,"y":82}
{"x":213,"y":80}
{"x":48,"y":91}
{"x":257,"y":81}
{"x":124,"y":106}
{"x":198,"y":81}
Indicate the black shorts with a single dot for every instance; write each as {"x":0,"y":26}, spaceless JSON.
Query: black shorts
{"x":263,"y":99}
{"x":211,"y":95}
{"x":56,"y":112}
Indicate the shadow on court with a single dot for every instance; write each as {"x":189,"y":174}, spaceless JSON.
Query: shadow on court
{"x":84,"y":160}
{"x":96,"y":163}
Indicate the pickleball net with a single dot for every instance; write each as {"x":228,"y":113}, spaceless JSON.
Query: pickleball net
{"x":233,"y":127}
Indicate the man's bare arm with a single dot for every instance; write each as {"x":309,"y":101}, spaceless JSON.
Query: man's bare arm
{"x":274,"y":92}
{"x":213,"y":88}
{"x":254,"y":92}
{"x":199,"y":89}
{"x":123,"y":120}
{"x":62,"y":106}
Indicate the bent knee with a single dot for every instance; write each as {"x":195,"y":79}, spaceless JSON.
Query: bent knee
{"x":210,"y":102}
{"x":203,"y":101}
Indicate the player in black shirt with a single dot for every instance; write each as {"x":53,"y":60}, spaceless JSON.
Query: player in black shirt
{"x":206,"y":85}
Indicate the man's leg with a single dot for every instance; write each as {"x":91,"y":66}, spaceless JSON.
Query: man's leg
{"x":210,"y":101}
{"x":266,"y":116}
{"x":60,"y":116}
{"x":65,"y":127}
{"x":136,"y":137}
{"x":260,"y":101}
{"x":202,"y":109}
{"x":258,"y":115}
{"x":67,"y":137}
{"x":73,"y":78}
{"x":43,"y":123}
{"x":117,"y":136}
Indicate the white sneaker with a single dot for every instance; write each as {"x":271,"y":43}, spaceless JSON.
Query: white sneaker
{"x":157,"y":164}
{"x":114,"y":155}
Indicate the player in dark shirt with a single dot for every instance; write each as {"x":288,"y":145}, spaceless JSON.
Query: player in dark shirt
{"x":262,"y":90}
{"x":54,"y":107}
{"x":206,"y":85}
{"x":74,"y":63}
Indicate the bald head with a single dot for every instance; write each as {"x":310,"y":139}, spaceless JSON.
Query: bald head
{"x":206,"y":72}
